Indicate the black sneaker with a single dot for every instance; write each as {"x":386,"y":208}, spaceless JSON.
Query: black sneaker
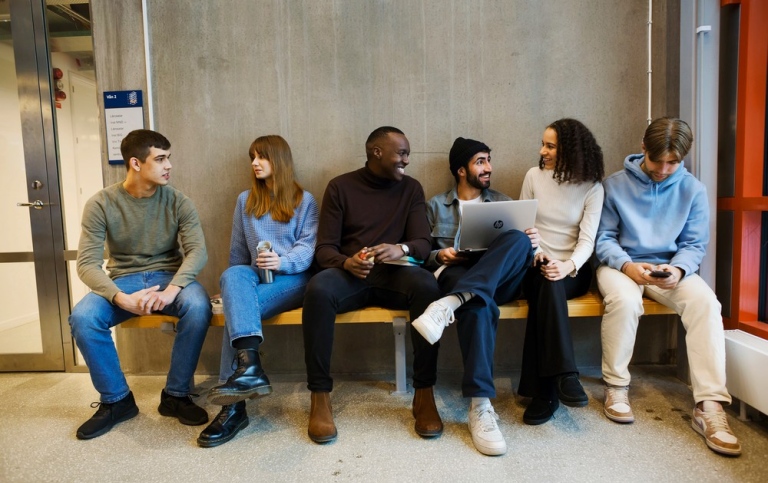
{"x":107,"y":416}
{"x":569,"y":390}
{"x":182,"y":408}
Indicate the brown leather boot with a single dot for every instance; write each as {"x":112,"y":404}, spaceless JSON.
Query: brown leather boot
{"x":321,"y":426}
{"x":428,"y":422}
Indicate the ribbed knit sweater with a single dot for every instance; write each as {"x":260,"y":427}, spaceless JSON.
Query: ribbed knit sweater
{"x":568,"y":214}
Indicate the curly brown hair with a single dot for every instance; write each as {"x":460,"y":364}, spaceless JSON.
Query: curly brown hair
{"x":579,"y":157}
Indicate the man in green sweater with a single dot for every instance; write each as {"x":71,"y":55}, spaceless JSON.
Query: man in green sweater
{"x":156,"y":249}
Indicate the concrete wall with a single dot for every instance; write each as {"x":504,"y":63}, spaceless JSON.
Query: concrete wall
{"x":323,"y":74}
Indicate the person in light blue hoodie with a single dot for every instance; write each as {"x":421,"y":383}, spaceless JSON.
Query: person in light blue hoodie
{"x":653,"y":234}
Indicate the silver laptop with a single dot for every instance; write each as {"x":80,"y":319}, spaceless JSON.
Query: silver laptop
{"x":481,"y":223}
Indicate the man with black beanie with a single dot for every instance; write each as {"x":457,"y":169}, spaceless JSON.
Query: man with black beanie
{"x":475,"y":285}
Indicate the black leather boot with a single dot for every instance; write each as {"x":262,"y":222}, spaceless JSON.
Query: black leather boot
{"x":225,"y":426}
{"x":248,"y":381}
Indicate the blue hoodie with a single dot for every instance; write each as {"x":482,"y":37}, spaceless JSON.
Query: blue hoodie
{"x":645,"y":221}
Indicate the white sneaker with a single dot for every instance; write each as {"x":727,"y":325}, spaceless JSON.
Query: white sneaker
{"x":485,"y":432}
{"x":713,"y":425}
{"x":617,"y":404}
{"x":433,"y":321}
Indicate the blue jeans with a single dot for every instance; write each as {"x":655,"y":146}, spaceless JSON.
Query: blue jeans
{"x":94,"y":315}
{"x":495,"y":278}
{"x":247,"y":301}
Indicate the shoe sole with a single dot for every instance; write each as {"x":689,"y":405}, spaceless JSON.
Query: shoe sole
{"x":619,"y":419}
{"x":536,"y":422}
{"x":210,"y":443}
{"x":575,"y":403}
{"x":713,"y":446}
{"x":323,"y":439}
{"x":487,"y":450}
{"x":130,"y":415}
{"x":429,"y":434}
{"x":430,"y":336}
{"x":188,"y":422}
{"x":222,"y":398}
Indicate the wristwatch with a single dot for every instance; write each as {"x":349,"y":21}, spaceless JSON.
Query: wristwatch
{"x":405,"y":249}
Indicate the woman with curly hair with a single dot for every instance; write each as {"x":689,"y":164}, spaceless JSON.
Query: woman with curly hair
{"x":276,"y":210}
{"x":567,"y":184}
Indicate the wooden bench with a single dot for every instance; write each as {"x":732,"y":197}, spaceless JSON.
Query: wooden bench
{"x":589,"y":305}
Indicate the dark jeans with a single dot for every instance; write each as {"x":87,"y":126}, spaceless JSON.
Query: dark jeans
{"x":495,"y":278}
{"x":335,"y":290}
{"x":548,"y":347}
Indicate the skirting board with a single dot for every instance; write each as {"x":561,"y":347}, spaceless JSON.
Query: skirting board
{"x":746,"y":357}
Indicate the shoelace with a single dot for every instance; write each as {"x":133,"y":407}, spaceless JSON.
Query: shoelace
{"x":716,"y":421}
{"x":446,"y":314}
{"x":487,"y":418}
{"x":618,"y":396}
{"x":223,"y":415}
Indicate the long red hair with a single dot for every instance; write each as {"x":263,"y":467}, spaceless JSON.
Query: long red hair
{"x":286,"y":194}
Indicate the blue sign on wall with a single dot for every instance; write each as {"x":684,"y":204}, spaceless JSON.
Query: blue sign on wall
{"x":123,"y":113}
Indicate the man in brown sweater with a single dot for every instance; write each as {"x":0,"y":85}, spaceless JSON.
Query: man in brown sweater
{"x":370,"y":217}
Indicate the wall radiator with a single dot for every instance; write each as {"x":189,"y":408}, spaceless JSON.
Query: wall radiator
{"x":746,"y":357}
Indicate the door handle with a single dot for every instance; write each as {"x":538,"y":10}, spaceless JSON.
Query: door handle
{"x":37,"y":204}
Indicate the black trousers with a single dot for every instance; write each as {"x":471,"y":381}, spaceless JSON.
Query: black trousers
{"x":548,"y":346}
{"x":335,"y":291}
{"x":495,"y":278}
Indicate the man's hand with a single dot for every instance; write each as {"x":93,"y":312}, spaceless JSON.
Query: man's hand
{"x":386,"y":253}
{"x":449,"y":256}
{"x":159,"y":300}
{"x":533,"y":234}
{"x":640,"y":273}
{"x":554,"y":270}
{"x":666,"y":282}
{"x":137,"y":302}
{"x":359,"y":264}
{"x":268,"y":261}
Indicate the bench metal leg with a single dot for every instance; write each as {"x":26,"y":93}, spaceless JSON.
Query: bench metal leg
{"x":683,"y":370}
{"x":399,"y":325}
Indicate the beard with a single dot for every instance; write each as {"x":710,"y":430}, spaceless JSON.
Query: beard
{"x":474,"y":181}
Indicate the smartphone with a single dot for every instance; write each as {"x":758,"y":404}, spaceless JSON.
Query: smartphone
{"x":660,"y":274}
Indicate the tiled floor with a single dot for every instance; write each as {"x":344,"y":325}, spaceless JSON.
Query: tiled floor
{"x":376,"y":439}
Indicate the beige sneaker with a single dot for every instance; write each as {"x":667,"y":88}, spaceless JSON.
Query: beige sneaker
{"x":713,"y":425}
{"x":617,"y":404}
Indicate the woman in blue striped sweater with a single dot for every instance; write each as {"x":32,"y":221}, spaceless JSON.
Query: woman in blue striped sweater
{"x":276,"y":210}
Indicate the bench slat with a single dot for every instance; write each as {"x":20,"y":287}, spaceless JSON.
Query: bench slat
{"x":589,"y":305}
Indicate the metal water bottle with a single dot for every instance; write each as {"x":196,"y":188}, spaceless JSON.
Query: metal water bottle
{"x":265,"y":275}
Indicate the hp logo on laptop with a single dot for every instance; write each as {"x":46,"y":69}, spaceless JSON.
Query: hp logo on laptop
{"x":498,"y":224}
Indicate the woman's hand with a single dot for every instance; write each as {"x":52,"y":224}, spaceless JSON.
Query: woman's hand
{"x":268,"y":261}
{"x":533,"y":235}
{"x":554,"y":270}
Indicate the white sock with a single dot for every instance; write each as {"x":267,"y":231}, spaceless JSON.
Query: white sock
{"x":479,"y":402}
{"x":456,"y":300}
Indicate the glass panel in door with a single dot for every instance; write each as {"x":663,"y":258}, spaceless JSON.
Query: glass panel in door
{"x":33,"y":294}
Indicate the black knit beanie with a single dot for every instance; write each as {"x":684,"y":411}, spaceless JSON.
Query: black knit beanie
{"x":462,"y":151}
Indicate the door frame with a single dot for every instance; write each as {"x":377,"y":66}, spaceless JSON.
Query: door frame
{"x":33,"y":71}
